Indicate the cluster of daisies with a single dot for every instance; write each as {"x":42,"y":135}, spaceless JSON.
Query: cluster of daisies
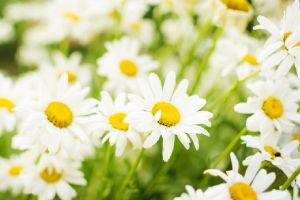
{"x":100,"y":74}
{"x":273,"y":108}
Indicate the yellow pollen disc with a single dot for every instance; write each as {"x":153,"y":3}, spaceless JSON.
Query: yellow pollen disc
{"x":251,"y":59}
{"x":59,"y":114}
{"x":242,"y":191}
{"x":71,"y":76}
{"x":50,"y":176}
{"x":7,"y":104}
{"x":128,"y":67}
{"x":240,"y":5}
{"x":114,"y":14}
{"x":15,"y":170}
{"x":273,"y":107}
{"x":273,"y":152}
{"x":136,"y":26}
{"x":117,"y":121}
{"x":72,"y":16}
{"x":296,"y":136}
{"x":170,"y":115}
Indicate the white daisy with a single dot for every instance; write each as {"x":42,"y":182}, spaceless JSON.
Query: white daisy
{"x":168,"y":111}
{"x":191,"y":194}
{"x":110,"y":120}
{"x":270,"y":151}
{"x":10,"y":96}
{"x":55,"y":118}
{"x":53,"y":176}
{"x":12,"y":170}
{"x":282,"y":47}
{"x":274,"y":107}
{"x":251,"y":186}
{"x":77,"y":72}
{"x":122,"y":64}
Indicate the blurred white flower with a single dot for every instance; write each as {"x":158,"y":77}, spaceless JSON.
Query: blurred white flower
{"x":6,"y":31}
{"x":191,"y":194}
{"x":76,"y":71}
{"x":252,"y":185}
{"x":166,"y":111}
{"x":110,"y":120}
{"x":274,"y":107}
{"x":10,"y":97}
{"x":282,"y":49}
{"x":53,"y":175}
{"x":123,"y":64}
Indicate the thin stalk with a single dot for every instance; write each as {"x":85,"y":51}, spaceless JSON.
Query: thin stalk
{"x":288,"y":182}
{"x":206,"y":58}
{"x":224,"y":154}
{"x":189,"y":56}
{"x":132,"y":171}
{"x":223,"y":98}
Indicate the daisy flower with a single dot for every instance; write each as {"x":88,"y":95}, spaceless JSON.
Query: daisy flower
{"x":191,"y":194}
{"x":12,"y":170}
{"x":282,"y":47}
{"x":270,"y":151}
{"x":53,"y":175}
{"x":167,"y":111}
{"x":123,"y":64}
{"x":251,"y":186}
{"x":274,"y":107}
{"x":110,"y":120}
{"x":9,"y":99}
{"x":71,"y":65}
{"x":55,"y":117}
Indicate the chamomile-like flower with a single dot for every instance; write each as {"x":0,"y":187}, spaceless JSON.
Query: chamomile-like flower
{"x":167,"y":111}
{"x":110,"y":120}
{"x":252,"y":185}
{"x":191,"y":194}
{"x":55,"y":117}
{"x":10,"y":95}
{"x":270,"y":151}
{"x":274,"y":107}
{"x":123,"y":64}
{"x":282,"y":47}
{"x":71,"y":65}
{"x":53,"y":176}
{"x":12,"y":170}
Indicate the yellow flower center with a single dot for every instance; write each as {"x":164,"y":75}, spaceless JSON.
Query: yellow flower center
{"x":296,"y":136}
{"x":240,"y":5}
{"x":117,"y":121}
{"x":273,"y":107}
{"x":59,"y":114}
{"x":72,"y":16}
{"x":272,"y":151}
{"x":287,"y":35}
{"x":128,"y":67}
{"x":7,"y":104}
{"x":170,"y":115}
{"x":50,"y":175}
{"x":242,"y":191}
{"x":251,"y":59}
{"x":136,"y":26}
{"x":15,"y":170}
{"x":71,"y":76}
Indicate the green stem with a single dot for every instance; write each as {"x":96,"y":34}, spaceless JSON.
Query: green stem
{"x":64,"y":46}
{"x":223,"y":98}
{"x":288,"y":182}
{"x":97,"y":177}
{"x":132,"y":171}
{"x":205,"y":29}
{"x":206,"y":59}
{"x":224,"y":154}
